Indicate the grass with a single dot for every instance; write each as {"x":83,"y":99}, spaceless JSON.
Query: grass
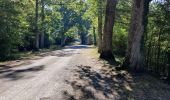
{"x":94,"y":52}
{"x":28,"y":54}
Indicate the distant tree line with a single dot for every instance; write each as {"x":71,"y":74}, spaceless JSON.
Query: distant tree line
{"x":30,"y":25}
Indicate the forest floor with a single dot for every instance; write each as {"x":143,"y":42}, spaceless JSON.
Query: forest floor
{"x":75,"y":73}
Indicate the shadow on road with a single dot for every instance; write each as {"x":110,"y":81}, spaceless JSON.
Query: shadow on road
{"x":110,"y":84}
{"x":7,"y":72}
{"x":61,"y":53}
{"x":79,"y":47}
{"x":68,"y":51}
{"x":93,"y":85}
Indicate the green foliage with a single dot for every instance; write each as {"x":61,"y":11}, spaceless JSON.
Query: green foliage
{"x":17,"y":23}
{"x":158,"y":38}
{"x":119,"y":40}
{"x":120,"y":33}
{"x":76,"y":19}
{"x":9,"y":27}
{"x":72,"y":35}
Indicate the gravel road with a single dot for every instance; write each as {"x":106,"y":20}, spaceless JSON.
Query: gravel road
{"x":41,"y":79}
{"x":75,"y":73}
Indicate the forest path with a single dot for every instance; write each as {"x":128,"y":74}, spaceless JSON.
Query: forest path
{"x":75,"y":73}
{"x":42,"y":78}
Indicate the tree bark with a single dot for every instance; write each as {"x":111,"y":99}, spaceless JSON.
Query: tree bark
{"x":94,"y":35}
{"x":43,"y":24}
{"x":134,"y":57}
{"x":82,"y":36}
{"x":168,"y":64}
{"x":100,"y":25}
{"x":36,"y":26}
{"x":62,"y":39}
{"x":106,"y":52}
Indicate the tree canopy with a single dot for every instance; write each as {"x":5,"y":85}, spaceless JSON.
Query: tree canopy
{"x":136,"y":31}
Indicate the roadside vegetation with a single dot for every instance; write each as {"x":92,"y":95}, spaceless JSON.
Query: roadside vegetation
{"x":132,"y":34}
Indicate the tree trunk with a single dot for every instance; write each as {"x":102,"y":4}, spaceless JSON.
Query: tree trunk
{"x":106,"y":52}
{"x":94,"y":35}
{"x":62,"y":39}
{"x":134,"y":57}
{"x":100,"y":25}
{"x":43,"y":24}
{"x":36,"y":26}
{"x":82,"y":36}
{"x":168,"y":64}
{"x":158,"y":53}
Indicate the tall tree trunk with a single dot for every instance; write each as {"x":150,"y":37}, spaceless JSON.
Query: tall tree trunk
{"x":62,"y":39}
{"x":43,"y":24}
{"x":158,"y":52}
{"x":94,"y":35}
{"x":134,"y":55}
{"x":36,"y":26}
{"x":83,"y":42}
{"x":100,"y":25}
{"x":168,"y":56}
{"x":106,"y":52}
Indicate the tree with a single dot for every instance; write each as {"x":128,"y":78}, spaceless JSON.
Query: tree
{"x":106,"y":52}
{"x":94,"y":35}
{"x":83,"y":26}
{"x":36,"y":26}
{"x":134,"y":55}
{"x":100,"y":27}
{"x":121,"y":27}
{"x":168,"y":62}
{"x":157,"y":39}
{"x":145,"y":23}
{"x":9,"y":24}
{"x":69,"y":17}
{"x":43,"y":24}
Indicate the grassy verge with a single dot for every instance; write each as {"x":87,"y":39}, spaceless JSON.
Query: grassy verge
{"x":28,"y":54}
{"x":94,"y":52}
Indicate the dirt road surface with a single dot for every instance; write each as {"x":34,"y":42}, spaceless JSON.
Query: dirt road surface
{"x":75,"y":73}
{"x":41,"y":79}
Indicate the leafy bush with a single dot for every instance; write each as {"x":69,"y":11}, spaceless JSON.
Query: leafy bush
{"x":119,"y":41}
